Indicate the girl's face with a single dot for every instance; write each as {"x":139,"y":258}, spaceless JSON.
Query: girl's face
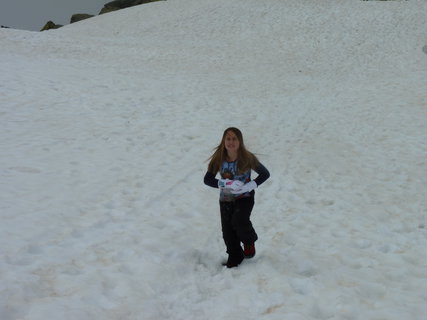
{"x":231,"y":142}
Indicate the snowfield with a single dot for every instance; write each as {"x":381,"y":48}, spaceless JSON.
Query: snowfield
{"x":106,"y":126}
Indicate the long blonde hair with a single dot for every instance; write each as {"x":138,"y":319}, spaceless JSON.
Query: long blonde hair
{"x":245,"y":160}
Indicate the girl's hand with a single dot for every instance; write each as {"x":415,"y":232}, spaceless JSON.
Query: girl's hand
{"x":230,"y":184}
{"x":248,"y":187}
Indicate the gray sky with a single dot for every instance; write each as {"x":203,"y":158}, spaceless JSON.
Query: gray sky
{"x":33,"y":14}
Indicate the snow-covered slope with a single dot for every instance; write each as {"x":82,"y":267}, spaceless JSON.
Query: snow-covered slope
{"x":106,"y":126}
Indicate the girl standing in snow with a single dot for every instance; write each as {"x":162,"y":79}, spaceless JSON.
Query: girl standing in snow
{"x":236,"y":200}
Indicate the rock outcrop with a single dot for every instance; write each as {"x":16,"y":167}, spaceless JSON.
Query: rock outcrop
{"x":108,"y":7}
{"x":50,"y":25}
{"x":80,"y":16}
{"x":121,"y":4}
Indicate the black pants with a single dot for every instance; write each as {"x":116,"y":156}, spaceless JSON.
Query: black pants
{"x":236,"y":224}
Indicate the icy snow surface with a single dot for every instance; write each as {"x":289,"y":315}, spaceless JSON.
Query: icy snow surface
{"x":106,"y":126}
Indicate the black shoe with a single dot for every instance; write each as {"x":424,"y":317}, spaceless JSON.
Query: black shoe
{"x":234,"y":261}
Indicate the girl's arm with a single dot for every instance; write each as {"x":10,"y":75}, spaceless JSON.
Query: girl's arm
{"x":263,"y":174}
{"x":210,"y":180}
